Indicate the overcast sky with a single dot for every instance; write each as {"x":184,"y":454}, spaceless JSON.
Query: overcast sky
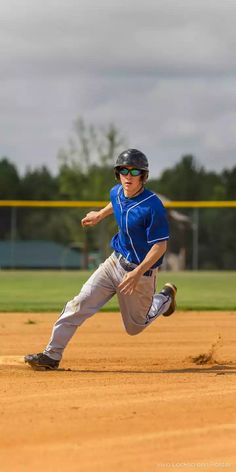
{"x":163,"y":71}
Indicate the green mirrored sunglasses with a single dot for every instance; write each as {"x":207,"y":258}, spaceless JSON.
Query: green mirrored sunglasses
{"x":133,"y":172}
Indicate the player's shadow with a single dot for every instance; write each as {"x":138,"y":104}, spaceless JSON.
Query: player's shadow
{"x":218,"y":369}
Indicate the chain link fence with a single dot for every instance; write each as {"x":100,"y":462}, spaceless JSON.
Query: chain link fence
{"x":49,"y":235}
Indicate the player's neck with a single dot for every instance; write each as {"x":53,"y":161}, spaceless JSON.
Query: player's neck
{"x":135,"y":194}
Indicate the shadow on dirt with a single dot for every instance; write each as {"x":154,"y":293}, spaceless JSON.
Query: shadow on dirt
{"x":219,"y":369}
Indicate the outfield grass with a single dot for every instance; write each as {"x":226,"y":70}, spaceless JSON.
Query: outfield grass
{"x":49,"y":290}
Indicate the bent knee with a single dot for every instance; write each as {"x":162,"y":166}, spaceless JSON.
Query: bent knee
{"x":134,"y":330}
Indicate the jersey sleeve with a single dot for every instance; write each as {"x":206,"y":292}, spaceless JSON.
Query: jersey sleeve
{"x":158,"y":228}
{"x":113,"y":194}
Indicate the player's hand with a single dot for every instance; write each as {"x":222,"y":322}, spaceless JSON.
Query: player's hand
{"x":91,"y":219}
{"x":129,"y":282}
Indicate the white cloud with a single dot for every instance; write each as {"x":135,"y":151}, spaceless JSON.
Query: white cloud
{"x":162,"y":71}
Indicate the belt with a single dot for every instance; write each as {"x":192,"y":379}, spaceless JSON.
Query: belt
{"x":129,"y":266}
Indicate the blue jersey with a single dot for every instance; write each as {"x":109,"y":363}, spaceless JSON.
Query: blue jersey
{"x":142,"y":222}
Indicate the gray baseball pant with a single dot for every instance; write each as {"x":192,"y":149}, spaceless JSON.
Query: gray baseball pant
{"x":138,"y":310}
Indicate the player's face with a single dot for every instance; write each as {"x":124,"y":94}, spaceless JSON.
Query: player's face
{"x":130,"y":183}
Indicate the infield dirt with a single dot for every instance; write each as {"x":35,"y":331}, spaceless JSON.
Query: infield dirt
{"x":120,"y":403}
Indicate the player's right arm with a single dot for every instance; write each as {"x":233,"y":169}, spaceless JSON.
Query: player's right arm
{"x":94,"y":217}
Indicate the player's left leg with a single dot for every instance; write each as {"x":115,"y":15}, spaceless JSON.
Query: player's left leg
{"x":98,"y":289}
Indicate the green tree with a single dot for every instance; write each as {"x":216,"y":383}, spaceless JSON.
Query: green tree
{"x":9,"y":180}
{"x":9,"y":190}
{"x":229,"y":180}
{"x":40,"y":223}
{"x":85,"y":167}
{"x":39,"y":184}
{"x":187,"y":180}
{"x":86,"y":173}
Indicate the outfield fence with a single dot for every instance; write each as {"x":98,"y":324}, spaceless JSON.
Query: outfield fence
{"x":48,"y":234}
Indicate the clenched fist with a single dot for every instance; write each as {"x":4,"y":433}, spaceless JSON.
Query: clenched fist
{"x":91,"y":219}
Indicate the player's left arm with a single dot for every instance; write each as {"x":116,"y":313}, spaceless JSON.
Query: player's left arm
{"x":94,"y":217}
{"x":155,"y":253}
{"x":131,"y":279}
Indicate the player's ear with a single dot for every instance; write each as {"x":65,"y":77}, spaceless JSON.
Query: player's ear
{"x":144,"y":177}
{"x":117,"y":175}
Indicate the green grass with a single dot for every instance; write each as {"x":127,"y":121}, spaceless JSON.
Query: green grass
{"x":49,"y":290}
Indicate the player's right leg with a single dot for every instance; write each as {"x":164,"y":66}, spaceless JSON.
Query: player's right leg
{"x":98,"y":289}
{"x":144,"y":306}
{"x":163,"y":303}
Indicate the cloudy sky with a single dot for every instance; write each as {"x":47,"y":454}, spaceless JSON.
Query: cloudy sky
{"x":163,"y":71}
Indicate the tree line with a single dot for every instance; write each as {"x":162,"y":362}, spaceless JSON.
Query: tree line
{"x":85,"y":172}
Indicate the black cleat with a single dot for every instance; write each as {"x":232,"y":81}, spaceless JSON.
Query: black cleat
{"x":170,"y":290}
{"x":41,"y":362}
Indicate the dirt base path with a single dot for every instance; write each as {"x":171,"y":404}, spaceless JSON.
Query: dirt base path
{"x":132,"y":404}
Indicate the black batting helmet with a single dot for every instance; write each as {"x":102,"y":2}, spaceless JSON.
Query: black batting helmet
{"x":134,"y":158}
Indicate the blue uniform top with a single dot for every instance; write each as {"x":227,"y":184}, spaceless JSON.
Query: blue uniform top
{"x":142,"y":222}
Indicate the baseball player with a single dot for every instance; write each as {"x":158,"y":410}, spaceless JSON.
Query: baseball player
{"x":130,"y":271}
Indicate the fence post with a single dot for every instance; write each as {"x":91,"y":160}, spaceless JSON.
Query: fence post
{"x":195,"y":237}
{"x":13,"y":235}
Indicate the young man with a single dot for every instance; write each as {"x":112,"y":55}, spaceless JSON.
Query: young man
{"x":130,"y":271}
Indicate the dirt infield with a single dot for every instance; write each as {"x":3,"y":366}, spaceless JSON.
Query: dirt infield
{"x":132,"y":404}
